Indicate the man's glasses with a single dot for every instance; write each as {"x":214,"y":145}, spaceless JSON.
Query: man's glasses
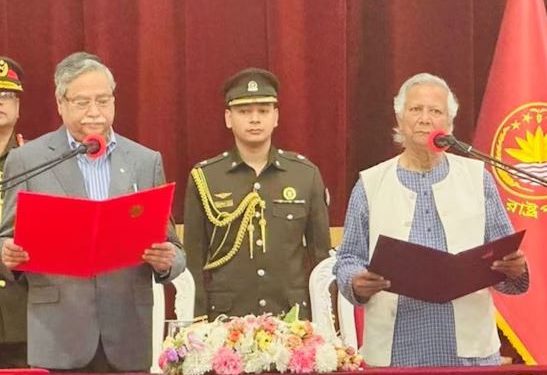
{"x":7,"y":95}
{"x":83,"y":103}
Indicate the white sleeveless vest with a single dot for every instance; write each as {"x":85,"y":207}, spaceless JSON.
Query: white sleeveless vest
{"x":459,"y":200}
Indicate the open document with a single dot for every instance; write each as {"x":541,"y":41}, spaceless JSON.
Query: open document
{"x":81,"y":237}
{"x":437,"y":276}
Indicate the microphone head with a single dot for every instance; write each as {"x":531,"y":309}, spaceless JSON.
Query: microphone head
{"x":433,"y":141}
{"x":95,"y":145}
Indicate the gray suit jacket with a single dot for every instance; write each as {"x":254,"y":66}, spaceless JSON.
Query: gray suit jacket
{"x":66,"y":315}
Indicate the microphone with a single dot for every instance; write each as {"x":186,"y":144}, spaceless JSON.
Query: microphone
{"x":439,"y":140}
{"x":93,"y":145}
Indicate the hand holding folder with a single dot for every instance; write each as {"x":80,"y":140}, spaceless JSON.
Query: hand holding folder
{"x":436,"y":276}
{"x":81,"y":237}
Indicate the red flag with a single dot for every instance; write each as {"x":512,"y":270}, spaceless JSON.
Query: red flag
{"x":512,"y":127}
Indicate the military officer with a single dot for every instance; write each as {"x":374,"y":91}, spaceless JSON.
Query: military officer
{"x":13,"y":294}
{"x":256,"y":218}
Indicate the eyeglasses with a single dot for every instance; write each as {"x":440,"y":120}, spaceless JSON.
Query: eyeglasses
{"x":7,"y":95}
{"x":83,"y":103}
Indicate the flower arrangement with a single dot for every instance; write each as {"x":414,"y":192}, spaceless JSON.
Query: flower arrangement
{"x":254,"y":344}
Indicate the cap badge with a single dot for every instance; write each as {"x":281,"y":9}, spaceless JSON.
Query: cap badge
{"x":289,"y":193}
{"x":252,"y":86}
{"x":4,"y":68}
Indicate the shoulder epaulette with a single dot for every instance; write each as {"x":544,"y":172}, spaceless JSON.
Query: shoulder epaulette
{"x":212,"y":160}
{"x":294,"y":156}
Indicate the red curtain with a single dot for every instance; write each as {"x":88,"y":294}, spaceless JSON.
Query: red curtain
{"x":339,"y":62}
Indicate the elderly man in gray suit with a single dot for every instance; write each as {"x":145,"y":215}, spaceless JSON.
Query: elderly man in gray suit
{"x":103,"y":323}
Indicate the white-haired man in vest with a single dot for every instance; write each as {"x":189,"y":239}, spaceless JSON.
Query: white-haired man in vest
{"x":402,"y":331}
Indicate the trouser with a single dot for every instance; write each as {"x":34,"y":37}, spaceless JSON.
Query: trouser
{"x":13,"y":355}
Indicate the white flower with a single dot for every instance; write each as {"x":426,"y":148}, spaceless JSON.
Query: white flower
{"x":198,"y":363}
{"x":325,"y":358}
{"x":217,"y":337}
{"x":257,"y":362}
{"x":246,"y":344}
{"x":282,"y":358}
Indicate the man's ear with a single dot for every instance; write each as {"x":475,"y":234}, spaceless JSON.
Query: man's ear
{"x":59,"y":107}
{"x":276,"y":111}
{"x":228,"y":118}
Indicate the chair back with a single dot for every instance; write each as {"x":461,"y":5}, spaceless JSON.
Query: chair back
{"x":324,"y":295}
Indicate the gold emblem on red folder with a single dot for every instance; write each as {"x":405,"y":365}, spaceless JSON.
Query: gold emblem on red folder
{"x":135,"y":211}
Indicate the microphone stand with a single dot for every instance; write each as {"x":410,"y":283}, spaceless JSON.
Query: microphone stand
{"x":40,"y":168}
{"x":515,"y":171}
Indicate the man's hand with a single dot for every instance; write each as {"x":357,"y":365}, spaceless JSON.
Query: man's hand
{"x":12,"y":254}
{"x":512,"y":265}
{"x":160,"y":256}
{"x":365,"y":284}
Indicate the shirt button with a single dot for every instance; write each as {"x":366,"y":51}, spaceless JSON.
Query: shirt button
{"x":260,"y":272}
{"x":259,"y":242}
{"x":304,"y":303}
{"x":277,"y":163}
{"x":262,"y":303}
{"x":213,"y":307}
{"x":425,"y":192}
{"x":280,"y":151}
{"x":225,"y":153}
{"x":2,"y":284}
{"x":234,"y":164}
{"x":290,"y":217}
{"x":256,"y":185}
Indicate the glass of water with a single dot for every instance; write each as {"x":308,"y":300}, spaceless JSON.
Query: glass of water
{"x":174,"y":327}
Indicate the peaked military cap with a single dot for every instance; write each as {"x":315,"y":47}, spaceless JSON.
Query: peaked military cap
{"x":11,"y":75}
{"x":251,"y":85}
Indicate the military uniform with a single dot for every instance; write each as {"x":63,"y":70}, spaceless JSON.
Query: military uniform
{"x":13,"y":294}
{"x":270,"y":270}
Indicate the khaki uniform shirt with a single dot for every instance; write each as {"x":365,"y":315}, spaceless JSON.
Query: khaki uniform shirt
{"x":297,"y":235}
{"x":13,"y":294}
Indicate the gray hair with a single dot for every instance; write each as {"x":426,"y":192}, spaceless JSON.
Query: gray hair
{"x":423,"y":79}
{"x":74,"y":66}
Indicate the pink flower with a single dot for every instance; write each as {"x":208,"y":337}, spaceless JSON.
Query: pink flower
{"x":162,"y":360}
{"x":302,"y":360}
{"x":269,"y":325}
{"x":227,"y":362}
{"x":195,"y":342}
{"x":314,"y":341}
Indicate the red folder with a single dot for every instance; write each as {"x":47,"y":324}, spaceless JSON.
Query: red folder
{"x":81,"y":237}
{"x":432,"y":275}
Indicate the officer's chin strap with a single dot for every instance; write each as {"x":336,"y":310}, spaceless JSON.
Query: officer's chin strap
{"x":246,"y":209}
